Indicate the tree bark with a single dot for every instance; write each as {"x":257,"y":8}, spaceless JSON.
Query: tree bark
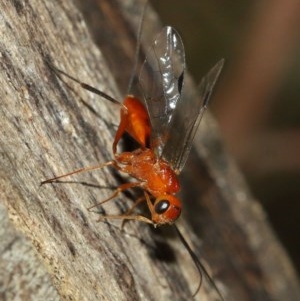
{"x":51,"y":126}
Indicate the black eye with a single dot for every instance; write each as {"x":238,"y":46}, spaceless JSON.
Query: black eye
{"x":162,"y":206}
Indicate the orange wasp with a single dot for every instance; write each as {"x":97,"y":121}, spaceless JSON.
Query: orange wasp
{"x":164,"y":130}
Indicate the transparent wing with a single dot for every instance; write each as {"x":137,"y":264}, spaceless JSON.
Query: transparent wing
{"x":161,"y":80}
{"x":189,"y":113}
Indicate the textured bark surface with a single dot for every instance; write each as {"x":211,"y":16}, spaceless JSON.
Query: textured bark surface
{"x":50,"y":127}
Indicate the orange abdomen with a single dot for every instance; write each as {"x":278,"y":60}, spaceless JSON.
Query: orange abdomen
{"x":135,"y":121}
{"x":138,"y":125}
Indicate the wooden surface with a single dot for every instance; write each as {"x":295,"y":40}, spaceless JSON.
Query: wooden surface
{"x":50,"y":127}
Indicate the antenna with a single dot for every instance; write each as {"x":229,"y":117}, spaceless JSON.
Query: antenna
{"x":200,"y":267}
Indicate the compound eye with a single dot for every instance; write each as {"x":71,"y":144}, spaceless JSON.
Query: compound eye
{"x":162,"y":206}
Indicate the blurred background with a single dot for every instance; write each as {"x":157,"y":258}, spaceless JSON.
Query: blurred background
{"x":257,"y":101}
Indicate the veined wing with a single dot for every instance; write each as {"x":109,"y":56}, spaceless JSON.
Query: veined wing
{"x":161,"y":79}
{"x":186,"y":120}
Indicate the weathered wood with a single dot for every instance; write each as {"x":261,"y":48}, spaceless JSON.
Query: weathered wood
{"x":49,"y":129}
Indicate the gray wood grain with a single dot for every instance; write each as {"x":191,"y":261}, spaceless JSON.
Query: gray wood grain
{"x":50,"y":127}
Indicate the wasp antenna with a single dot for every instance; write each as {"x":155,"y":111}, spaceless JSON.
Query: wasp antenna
{"x":86,"y":86}
{"x":137,"y":48}
{"x":200,"y":267}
